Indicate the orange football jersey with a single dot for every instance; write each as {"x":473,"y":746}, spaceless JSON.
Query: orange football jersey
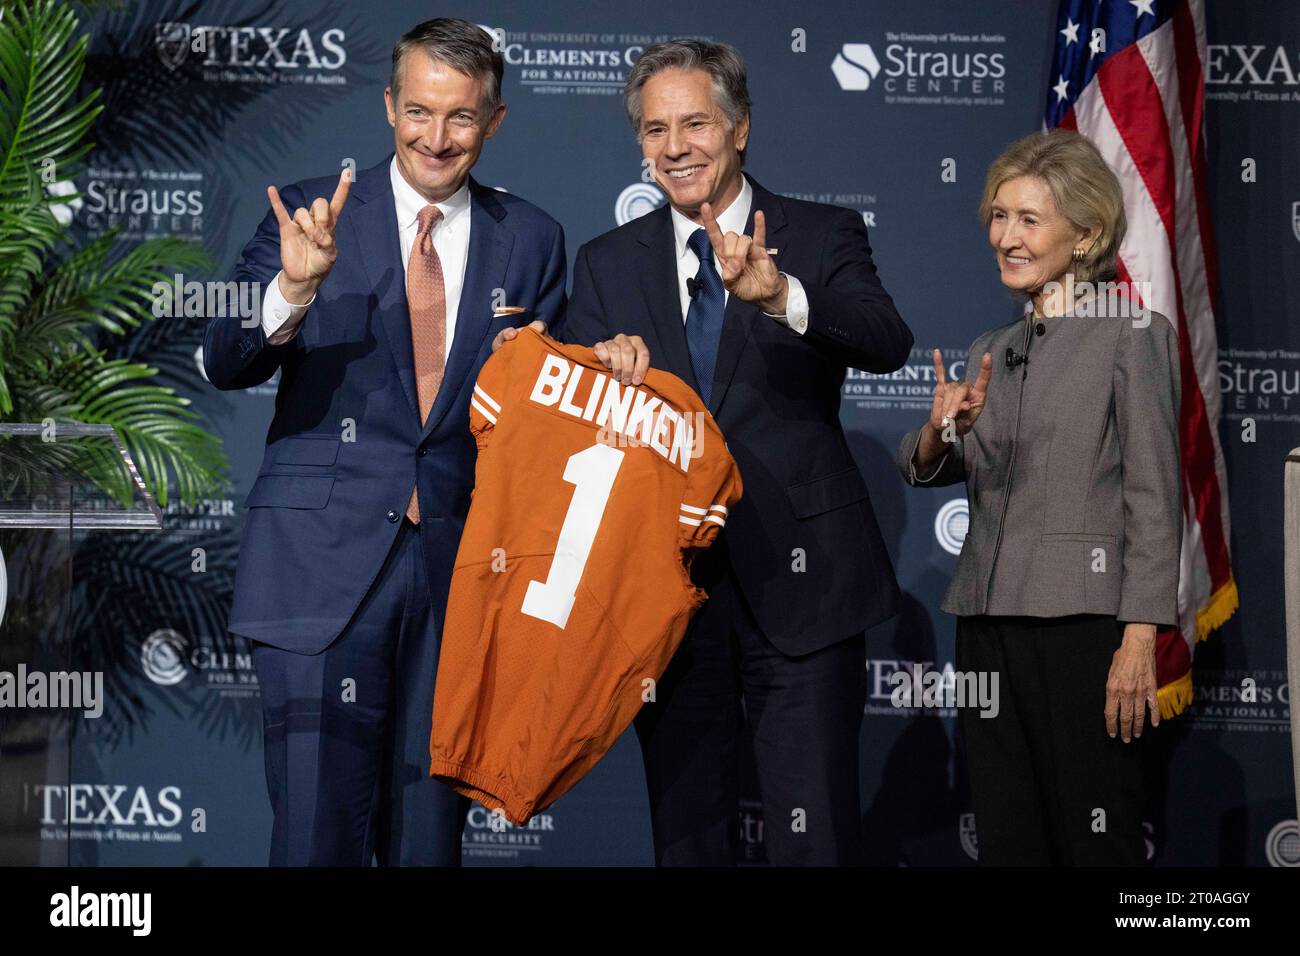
{"x":571,"y":589}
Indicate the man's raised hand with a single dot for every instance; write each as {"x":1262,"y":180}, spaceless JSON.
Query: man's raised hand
{"x":307,"y":248}
{"x":743,"y":262}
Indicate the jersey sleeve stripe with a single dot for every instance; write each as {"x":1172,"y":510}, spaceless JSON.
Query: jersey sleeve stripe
{"x":722,"y":508}
{"x":487,"y":399}
{"x":694,"y":511}
{"x":483,"y":411}
{"x":716,"y":520}
{"x":691,"y":521}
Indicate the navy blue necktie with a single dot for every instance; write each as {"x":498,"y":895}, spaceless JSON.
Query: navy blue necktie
{"x":704,"y":317}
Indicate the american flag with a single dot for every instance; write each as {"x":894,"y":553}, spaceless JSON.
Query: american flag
{"x":1130,"y":75}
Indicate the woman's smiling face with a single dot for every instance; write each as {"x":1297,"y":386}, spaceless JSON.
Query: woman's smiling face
{"x":1033,"y":241}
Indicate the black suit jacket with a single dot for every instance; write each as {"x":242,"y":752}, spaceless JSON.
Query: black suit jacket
{"x":803,"y":541}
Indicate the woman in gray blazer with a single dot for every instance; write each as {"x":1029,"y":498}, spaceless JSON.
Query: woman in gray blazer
{"x":1065,"y":431}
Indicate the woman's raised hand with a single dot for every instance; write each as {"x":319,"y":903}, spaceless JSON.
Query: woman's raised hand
{"x":957,"y":405}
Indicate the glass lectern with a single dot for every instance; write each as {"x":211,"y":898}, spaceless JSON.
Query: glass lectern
{"x":58,"y":481}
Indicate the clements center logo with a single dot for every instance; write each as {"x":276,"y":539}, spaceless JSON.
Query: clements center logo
{"x":162,"y":657}
{"x":951,"y":524}
{"x":637,"y":200}
{"x":583,"y":63}
{"x":1282,"y":845}
{"x":168,"y":658}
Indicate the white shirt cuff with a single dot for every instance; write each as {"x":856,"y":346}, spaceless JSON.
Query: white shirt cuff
{"x":280,"y":317}
{"x":796,"y":306}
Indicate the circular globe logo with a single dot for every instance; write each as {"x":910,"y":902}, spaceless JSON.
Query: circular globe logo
{"x":162,"y":655}
{"x":951,"y":525}
{"x":637,"y":200}
{"x":1282,"y":845}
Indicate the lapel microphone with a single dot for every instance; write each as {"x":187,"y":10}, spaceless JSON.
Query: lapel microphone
{"x":1014,"y":358}
{"x":693,"y":287}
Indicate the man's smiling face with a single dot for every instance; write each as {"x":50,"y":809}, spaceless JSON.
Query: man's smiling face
{"x":439,"y":124}
{"x":687,"y":138}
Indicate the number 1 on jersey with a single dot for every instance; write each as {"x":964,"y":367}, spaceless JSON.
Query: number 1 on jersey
{"x":591,"y":472}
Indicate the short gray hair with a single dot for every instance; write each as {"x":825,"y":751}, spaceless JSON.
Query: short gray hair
{"x":720,"y":60}
{"x":461,"y":45}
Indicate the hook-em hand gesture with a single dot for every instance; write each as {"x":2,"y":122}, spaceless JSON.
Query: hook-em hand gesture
{"x":746,"y":267}
{"x":307,"y":249}
{"x":958,"y":403}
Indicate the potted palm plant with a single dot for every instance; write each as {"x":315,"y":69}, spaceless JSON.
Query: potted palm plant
{"x":77,"y":321}
{"x":63,"y":305}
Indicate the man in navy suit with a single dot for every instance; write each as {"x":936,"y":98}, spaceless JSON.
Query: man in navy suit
{"x":764,"y":333}
{"x":380,"y":307}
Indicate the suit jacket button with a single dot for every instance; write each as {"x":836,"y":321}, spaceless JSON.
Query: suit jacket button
{"x":393,"y":516}
{"x":422,"y":452}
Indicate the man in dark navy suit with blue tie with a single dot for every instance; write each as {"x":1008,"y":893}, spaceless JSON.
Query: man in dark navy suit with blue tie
{"x":380,"y":306}
{"x":760,"y":303}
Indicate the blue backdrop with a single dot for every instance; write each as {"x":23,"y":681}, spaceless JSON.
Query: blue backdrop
{"x":172,"y":773}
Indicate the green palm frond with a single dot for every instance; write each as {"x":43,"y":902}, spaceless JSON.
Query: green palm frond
{"x":27,"y":233}
{"x":83,"y":292}
{"x":62,"y":306}
{"x":154,"y":422}
{"x":40,"y":69}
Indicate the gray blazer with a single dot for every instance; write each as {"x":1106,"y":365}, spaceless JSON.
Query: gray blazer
{"x":1072,"y":473}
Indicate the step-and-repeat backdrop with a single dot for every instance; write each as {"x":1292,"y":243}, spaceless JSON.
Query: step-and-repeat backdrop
{"x":861,"y":103}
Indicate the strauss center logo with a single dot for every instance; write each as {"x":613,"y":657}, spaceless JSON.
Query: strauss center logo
{"x":855,"y":66}
{"x":927,"y":67}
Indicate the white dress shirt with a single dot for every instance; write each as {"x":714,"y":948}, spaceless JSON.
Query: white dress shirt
{"x":282,"y":319}
{"x":733,"y":219}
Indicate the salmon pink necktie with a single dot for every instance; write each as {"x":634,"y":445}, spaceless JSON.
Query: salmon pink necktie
{"x":426,"y":299}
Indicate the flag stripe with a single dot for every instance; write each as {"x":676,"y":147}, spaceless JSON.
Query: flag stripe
{"x":1190,"y":49}
{"x":1191,"y":81}
{"x":1135,"y":106}
{"x":1196,"y":322}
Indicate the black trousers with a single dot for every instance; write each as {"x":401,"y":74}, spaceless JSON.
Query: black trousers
{"x":805,"y":714}
{"x":1049,"y":785}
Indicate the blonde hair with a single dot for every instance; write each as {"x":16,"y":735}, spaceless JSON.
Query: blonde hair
{"x":1084,"y":189}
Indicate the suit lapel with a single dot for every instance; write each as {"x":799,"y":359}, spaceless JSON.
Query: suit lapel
{"x":374,"y":221}
{"x":658,"y":272}
{"x":485,"y":270}
{"x":739,"y":318}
